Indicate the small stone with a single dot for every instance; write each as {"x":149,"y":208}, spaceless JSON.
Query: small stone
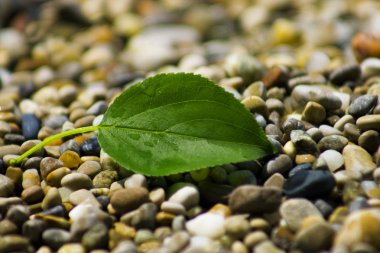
{"x":9,"y":150}
{"x":351,"y":132}
{"x":245,"y":66}
{"x":304,"y":158}
{"x":7,"y":227}
{"x":280,"y":164}
{"x":90,"y":168}
{"x":72,"y":146}
{"x":18,"y":214}
{"x":128,"y":199}
{"x":6,"y":186}
{"x":236,"y":226}
{"x":70,"y":159}
{"x":84,"y":121}
{"x":315,"y":238}
{"x":293,"y":211}
{"x":51,"y":199}
{"x":369,"y":122}
{"x":370,"y":67}
{"x":96,"y":237}
{"x":257,"y":105}
{"x":76,"y":181}
{"x":365,"y":45}
{"x":334,"y":142}
{"x":309,"y":184}
{"x":276,"y":180}
{"x":267,"y":247}
{"x":333,"y":158}
{"x":82,"y":195}
{"x":241,"y":177}
{"x":255,"y":238}
{"x":303,"y":142}
{"x":212,"y":225}
{"x":54,"y":121}
{"x":327,"y":130}
{"x":32,"y":194}
{"x":254,"y":199}
{"x":55,"y":237}
{"x":173,"y":208}
{"x":345,"y":74}
{"x":314,"y":113}
{"x":104,"y":179}
{"x":357,"y":159}
{"x":14,"y":243}
{"x":362,"y":105}
{"x":33,"y":229}
{"x":30,"y":126}
{"x":49,"y":164}
{"x":72,"y":248}
{"x":55,"y":177}
{"x":255,"y":89}
{"x":343,"y":121}
{"x":136,"y":180}
{"x":369,"y":140}
{"x":360,"y":226}
{"x":188,"y":196}
{"x":90,"y":147}
{"x":157,"y":196}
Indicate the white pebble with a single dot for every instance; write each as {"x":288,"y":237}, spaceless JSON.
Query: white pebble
{"x":207,"y":224}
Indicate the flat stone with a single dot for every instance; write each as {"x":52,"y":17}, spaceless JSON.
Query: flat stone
{"x":345,"y":73}
{"x":333,"y":159}
{"x":362,"y":105}
{"x":369,"y":122}
{"x":254,"y":199}
{"x":357,"y":159}
{"x":30,"y":126}
{"x":360,"y":226}
{"x":10,"y":150}
{"x":128,"y":199}
{"x":212,"y":225}
{"x":293,"y":211}
{"x":90,"y":168}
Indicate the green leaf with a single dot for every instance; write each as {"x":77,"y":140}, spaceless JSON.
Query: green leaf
{"x":172,"y":123}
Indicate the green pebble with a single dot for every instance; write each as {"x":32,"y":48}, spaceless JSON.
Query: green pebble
{"x":200,"y":175}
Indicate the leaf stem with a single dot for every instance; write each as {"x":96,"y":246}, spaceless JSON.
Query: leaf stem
{"x":49,"y":139}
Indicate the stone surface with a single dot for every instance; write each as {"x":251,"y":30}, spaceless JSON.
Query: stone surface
{"x":333,"y":159}
{"x":212,"y":224}
{"x":128,"y":199}
{"x":357,"y":159}
{"x":254,"y":199}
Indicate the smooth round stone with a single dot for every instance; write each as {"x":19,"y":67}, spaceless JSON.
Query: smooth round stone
{"x":54,"y":121}
{"x":54,"y":178}
{"x":32,"y":229}
{"x":237,"y":226}
{"x":6,"y":186}
{"x":90,"y":147}
{"x":328,"y":130}
{"x":315,"y":238}
{"x":360,"y":226}
{"x":104,"y":179}
{"x":275,"y":105}
{"x":212,"y":193}
{"x":254,"y":199}
{"x":303,"y":142}
{"x":84,"y":121}
{"x":343,"y":121}
{"x":18,"y":214}
{"x":79,"y":196}
{"x":245,"y":66}
{"x":30,"y":126}
{"x":157,"y":196}
{"x":145,"y":217}
{"x":96,"y":237}
{"x":51,"y":199}
{"x":11,"y":149}
{"x":254,"y":238}
{"x":173,"y":208}
{"x":302,"y":94}
{"x":333,"y":158}
{"x":255,"y":89}
{"x":351,"y":132}
{"x":70,"y":145}
{"x":257,"y":105}
{"x":90,"y":168}
{"x":99,"y":107}
{"x":241,"y":177}
{"x":345,"y":73}
{"x":369,"y":140}
{"x":49,"y":164}
{"x":362,"y":105}
{"x":314,"y":113}
{"x":188,"y":196}
{"x":55,"y":237}
{"x":128,"y":199}
{"x":70,"y":159}
{"x":32,"y":194}
{"x":218,"y":175}
{"x":334,"y":142}
{"x":358,"y":159}
{"x":267,"y":247}
{"x":76,"y":181}
{"x":7,"y":227}
{"x":370,"y":67}
{"x":14,"y":243}
{"x":304,"y":158}
{"x":4,"y":128}
{"x":309,"y":184}
{"x":125,"y":246}
{"x":136,"y":180}
{"x":72,"y":248}
{"x":280,"y":164}
{"x":30,"y":177}
{"x":369,"y":122}
{"x":276,"y":180}
{"x":212,"y":225}
{"x":31,"y":143}
{"x":294,"y":211}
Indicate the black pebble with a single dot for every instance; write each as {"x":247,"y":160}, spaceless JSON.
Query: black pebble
{"x":300,"y":167}
{"x":309,"y":184}
{"x":90,"y":147}
{"x":30,"y":126}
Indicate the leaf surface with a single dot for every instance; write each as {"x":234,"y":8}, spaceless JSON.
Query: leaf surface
{"x":172,"y":123}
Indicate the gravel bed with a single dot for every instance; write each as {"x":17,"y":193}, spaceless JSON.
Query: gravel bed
{"x":309,"y":71}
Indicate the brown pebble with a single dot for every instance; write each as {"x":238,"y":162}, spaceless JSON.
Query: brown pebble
{"x":365,"y":45}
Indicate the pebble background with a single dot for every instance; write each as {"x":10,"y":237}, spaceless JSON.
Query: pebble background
{"x":308,"y":70}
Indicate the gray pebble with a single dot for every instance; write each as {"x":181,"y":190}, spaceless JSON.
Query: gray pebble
{"x":55,"y":237}
{"x":96,"y":237}
{"x":369,"y":140}
{"x":362,"y":105}
{"x":55,"y":121}
{"x":351,"y":132}
{"x":343,"y":121}
{"x":303,"y":142}
{"x":90,"y":168}
{"x":280,"y":164}
{"x":76,"y":181}
{"x":6,"y":186}
{"x":335,"y":142}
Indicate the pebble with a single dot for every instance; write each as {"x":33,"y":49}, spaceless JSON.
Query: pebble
{"x":212,"y":225}
{"x":369,"y":140}
{"x":370,"y":67}
{"x":280,"y":164}
{"x":30,"y":126}
{"x":76,"y":181}
{"x":9,"y":149}
{"x":51,"y":199}
{"x":70,"y":159}
{"x":237,"y":226}
{"x":334,"y":142}
{"x":357,"y":159}
{"x":90,"y":168}
{"x":72,"y":248}
{"x":33,"y":229}
{"x":245,"y":66}
{"x":362,"y":105}
{"x":333,"y":159}
{"x":360,"y":226}
{"x":173,"y":207}
{"x":267,"y":247}
{"x":82,"y":195}
{"x":33,"y":194}
{"x":187,"y":196}
{"x":55,"y":237}
{"x":96,"y":237}
{"x":49,"y":164}
{"x":309,"y":184}
{"x":367,"y":122}
{"x":314,"y":113}
{"x":304,"y":142}
{"x":276,"y":180}
{"x":241,"y":177}
{"x":55,"y":177}
{"x":315,"y":238}
{"x":128,"y":199}
{"x":14,"y":243}
{"x":254,"y":199}
{"x":6,"y":186}
{"x":294,"y":211}
{"x":351,"y":132}
{"x":104,"y":179}
{"x":136,"y":180}
{"x":90,"y":147}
